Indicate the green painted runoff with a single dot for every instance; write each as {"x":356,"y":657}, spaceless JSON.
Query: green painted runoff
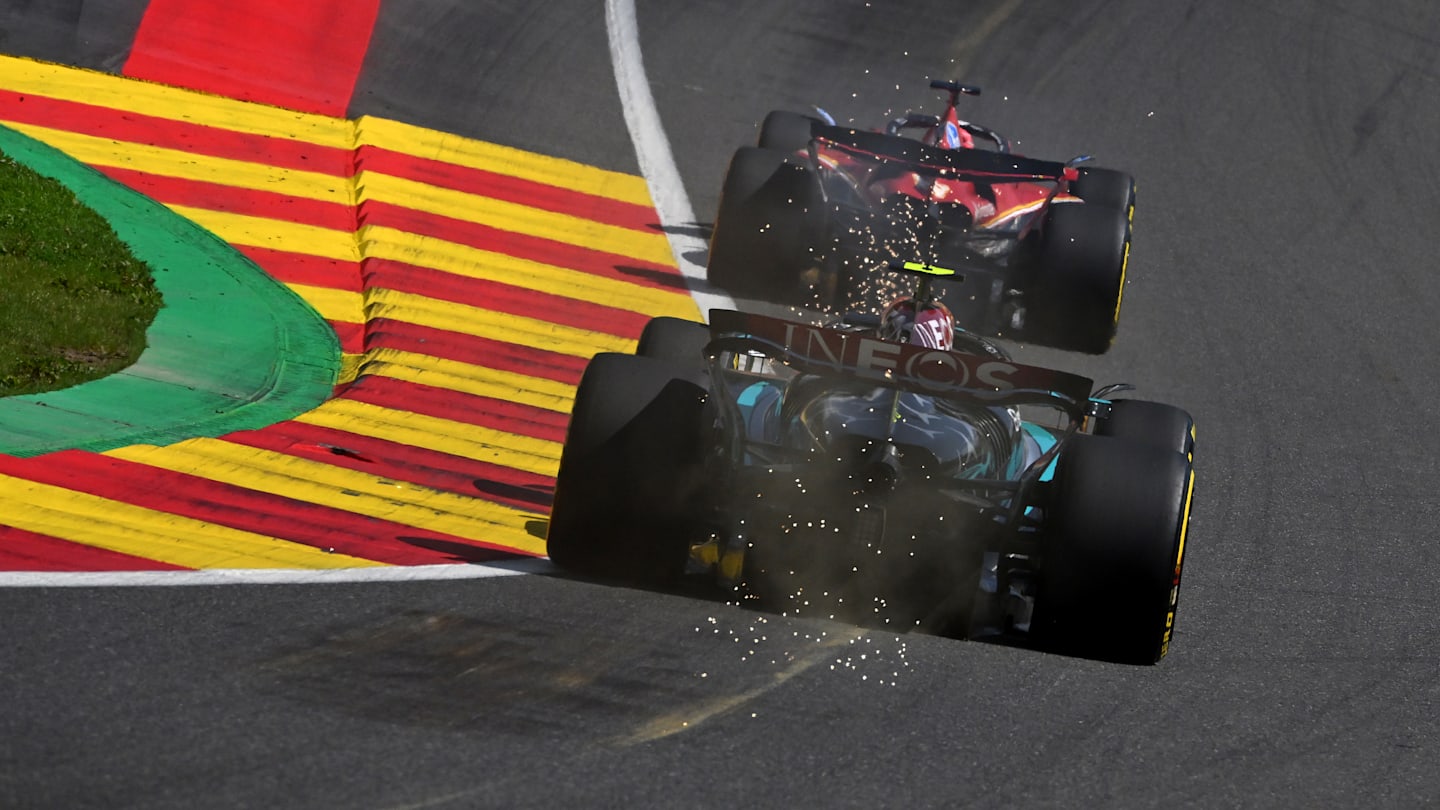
{"x":231,"y":349}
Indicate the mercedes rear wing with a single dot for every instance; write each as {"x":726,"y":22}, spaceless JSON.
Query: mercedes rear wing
{"x":918,"y":369}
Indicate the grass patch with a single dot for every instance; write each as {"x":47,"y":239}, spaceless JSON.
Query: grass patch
{"x":74,"y":301}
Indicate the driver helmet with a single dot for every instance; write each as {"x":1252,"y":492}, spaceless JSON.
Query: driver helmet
{"x":932,"y":327}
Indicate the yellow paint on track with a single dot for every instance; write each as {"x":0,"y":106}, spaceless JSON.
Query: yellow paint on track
{"x":441,"y":435}
{"x":463,"y":260}
{"x":117,"y":92}
{"x":551,"y":171}
{"x":467,"y":378}
{"x":340,"y":488}
{"x":467,"y":320}
{"x":391,"y":234}
{"x":183,"y":165}
{"x":516,"y":218}
{"x":336,"y":306}
{"x":274,"y":234}
{"x":140,"y":532}
{"x":172,"y":103}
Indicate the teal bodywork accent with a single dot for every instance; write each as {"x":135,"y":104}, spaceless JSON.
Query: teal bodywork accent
{"x":1046,"y":440}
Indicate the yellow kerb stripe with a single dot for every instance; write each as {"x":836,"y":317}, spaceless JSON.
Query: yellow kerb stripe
{"x":395,"y":245}
{"x":349,"y":368}
{"x":159,"y":101}
{"x":348,"y":490}
{"x":336,"y":306}
{"x":123,"y":93}
{"x":462,"y":260}
{"x":190,"y":166}
{"x":344,"y":306}
{"x":503,"y":326}
{"x":188,"y":106}
{"x":275,"y":234}
{"x":452,"y":375}
{"x":117,"y":526}
{"x":453,"y":149}
{"x":461,"y":439}
{"x":515,"y":218}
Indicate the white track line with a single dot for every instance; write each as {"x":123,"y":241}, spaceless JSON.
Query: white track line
{"x":652,"y":148}
{"x":657,"y":164}
{"x":267,"y":576}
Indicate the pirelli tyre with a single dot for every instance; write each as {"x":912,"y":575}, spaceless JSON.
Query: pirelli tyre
{"x":630,"y":471}
{"x":1106,"y":188}
{"x":769,"y":218}
{"x":1076,"y":277}
{"x":786,"y":131}
{"x":1153,"y":423}
{"x":1113,"y":550}
{"x":674,"y":340}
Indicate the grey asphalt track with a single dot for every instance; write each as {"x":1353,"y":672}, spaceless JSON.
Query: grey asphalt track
{"x":1283,"y":289}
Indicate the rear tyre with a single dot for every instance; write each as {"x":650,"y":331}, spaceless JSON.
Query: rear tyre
{"x":1077,"y":277}
{"x":674,"y":340}
{"x":1106,"y":188}
{"x":1113,"y":550}
{"x":1153,"y":423}
{"x":768,"y":219}
{"x":630,"y":472}
{"x":786,"y":131}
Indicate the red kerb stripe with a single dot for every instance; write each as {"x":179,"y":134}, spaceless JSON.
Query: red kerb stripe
{"x":27,"y":551}
{"x":534,"y":248}
{"x":198,"y":139}
{"x":402,"y":462}
{"x":441,"y":403}
{"x":383,"y":333}
{"x":499,"y":297}
{"x":509,"y":188}
{"x":264,"y":513}
{"x":235,"y":200}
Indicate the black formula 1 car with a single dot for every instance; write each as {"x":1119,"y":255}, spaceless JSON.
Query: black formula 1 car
{"x":808,"y":215}
{"x":825,"y":471}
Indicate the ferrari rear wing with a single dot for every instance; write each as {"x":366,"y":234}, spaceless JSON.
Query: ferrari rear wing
{"x":919,"y":369}
{"x":966,"y":164}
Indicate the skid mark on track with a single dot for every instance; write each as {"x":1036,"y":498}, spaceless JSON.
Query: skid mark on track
{"x":697,"y":714}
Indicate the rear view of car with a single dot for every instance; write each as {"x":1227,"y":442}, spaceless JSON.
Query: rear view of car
{"x":827,"y":471}
{"x":808,"y":215}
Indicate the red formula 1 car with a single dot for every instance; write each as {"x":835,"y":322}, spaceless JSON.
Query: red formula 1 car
{"x":807,"y":216}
